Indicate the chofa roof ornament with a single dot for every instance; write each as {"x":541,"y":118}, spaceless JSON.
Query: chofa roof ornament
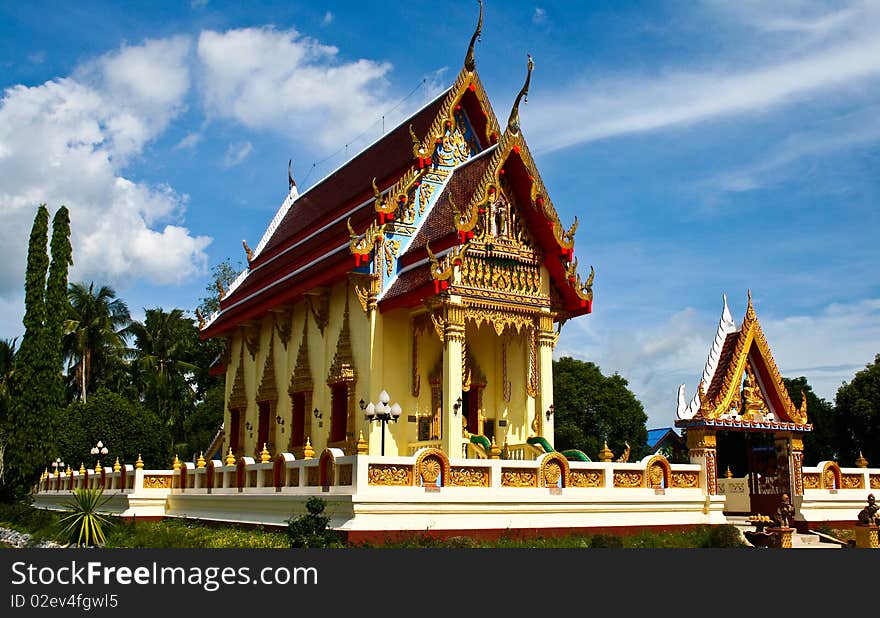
{"x":513,"y":121}
{"x":470,"y":61}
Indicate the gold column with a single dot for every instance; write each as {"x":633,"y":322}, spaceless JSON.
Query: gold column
{"x":453,"y":338}
{"x":701,"y":445}
{"x":544,"y":397}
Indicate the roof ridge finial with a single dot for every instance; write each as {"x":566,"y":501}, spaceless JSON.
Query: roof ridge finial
{"x":470,"y":61}
{"x":290,"y":181}
{"x":750,"y":310}
{"x":513,"y":121}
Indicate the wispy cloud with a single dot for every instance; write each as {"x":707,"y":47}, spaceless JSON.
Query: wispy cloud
{"x":594,"y":109}
{"x":328,"y":18}
{"x":836,"y":134}
{"x":236,"y":153}
{"x":191,"y":140}
{"x":539,"y":16}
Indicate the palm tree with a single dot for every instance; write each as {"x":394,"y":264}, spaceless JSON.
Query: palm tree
{"x":7,"y":366}
{"x":164,"y":346}
{"x":94,"y":333}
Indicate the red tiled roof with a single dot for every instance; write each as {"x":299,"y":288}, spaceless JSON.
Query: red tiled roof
{"x":352,"y":183}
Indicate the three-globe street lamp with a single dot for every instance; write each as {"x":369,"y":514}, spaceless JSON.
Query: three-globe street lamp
{"x":98,"y":450}
{"x":382,"y":412}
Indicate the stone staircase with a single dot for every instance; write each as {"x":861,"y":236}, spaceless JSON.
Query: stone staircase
{"x":799,"y":540}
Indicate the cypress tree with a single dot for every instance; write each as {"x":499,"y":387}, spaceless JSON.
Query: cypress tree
{"x":37,"y":388}
{"x":57,"y":303}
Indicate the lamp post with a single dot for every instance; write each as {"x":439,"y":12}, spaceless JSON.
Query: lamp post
{"x":382,"y":412}
{"x":57,"y":466}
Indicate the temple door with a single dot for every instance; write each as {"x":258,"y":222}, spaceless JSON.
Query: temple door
{"x":769,"y":475}
{"x":471,"y":410}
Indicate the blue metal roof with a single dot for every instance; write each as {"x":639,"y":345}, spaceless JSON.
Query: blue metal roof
{"x":656,"y":435}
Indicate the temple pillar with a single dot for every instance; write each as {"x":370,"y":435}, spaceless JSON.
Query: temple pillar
{"x":453,"y":341}
{"x":701,"y":446}
{"x":546,"y":339}
{"x":790,"y":455}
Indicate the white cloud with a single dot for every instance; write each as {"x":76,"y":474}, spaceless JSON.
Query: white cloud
{"x":237,"y":153}
{"x":600,"y":108}
{"x":540,"y":16}
{"x":190,"y":140}
{"x":328,"y":18}
{"x":841,"y":133}
{"x":282,"y":81}
{"x":67,"y":141}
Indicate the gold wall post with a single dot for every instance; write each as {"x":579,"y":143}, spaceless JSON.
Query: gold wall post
{"x":701,"y":445}
{"x":453,"y":336}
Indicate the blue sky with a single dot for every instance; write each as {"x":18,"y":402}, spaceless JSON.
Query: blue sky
{"x":706,"y":147}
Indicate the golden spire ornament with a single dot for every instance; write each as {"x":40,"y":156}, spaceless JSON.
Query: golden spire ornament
{"x":117,"y":466}
{"x":264,"y":454}
{"x":139,"y":464}
{"x":362,"y":448}
{"x":605,"y":454}
{"x":201,"y":461}
{"x":230,"y":458}
{"x":470,"y":61}
{"x":176,"y":465}
{"x":308,"y":451}
{"x":98,"y":467}
{"x":861,"y":462}
{"x":494,"y":450}
{"x":82,"y":468}
{"x":513,"y":120}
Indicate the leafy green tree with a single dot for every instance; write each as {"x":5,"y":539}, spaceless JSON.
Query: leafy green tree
{"x":222,"y":274}
{"x":858,"y":416}
{"x":822,"y":443}
{"x":592,"y":408}
{"x":200,"y":427}
{"x":125,"y":427}
{"x":94,"y":338}
{"x":56,"y":298}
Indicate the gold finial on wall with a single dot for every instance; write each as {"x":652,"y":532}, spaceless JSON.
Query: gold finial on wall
{"x":139,"y":464}
{"x":362,"y":448}
{"x":176,"y":464}
{"x":308,"y":451}
{"x":200,"y":463}
{"x":230,"y":458}
{"x":605,"y":454}
{"x":264,"y":454}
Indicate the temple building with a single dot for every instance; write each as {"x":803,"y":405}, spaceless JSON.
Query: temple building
{"x":742,"y":418}
{"x":431,"y":268}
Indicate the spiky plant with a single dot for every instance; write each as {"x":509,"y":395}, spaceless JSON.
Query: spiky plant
{"x":83,"y":526}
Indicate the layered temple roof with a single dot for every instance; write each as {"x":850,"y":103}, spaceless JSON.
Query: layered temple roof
{"x":404,"y":211}
{"x":741,"y":387}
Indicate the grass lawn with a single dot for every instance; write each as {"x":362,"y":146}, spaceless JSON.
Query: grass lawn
{"x":185,"y":533}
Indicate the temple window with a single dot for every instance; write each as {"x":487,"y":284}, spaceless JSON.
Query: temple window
{"x":265,"y":411}
{"x":338,"y":412}
{"x":298,"y":426}
{"x":234,"y":430}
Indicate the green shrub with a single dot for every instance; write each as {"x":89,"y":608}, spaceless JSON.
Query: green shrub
{"x":605,"y":540}
{"x":725,"y":535}
{"x":312,"y":529}
{"x":83,"y":525}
